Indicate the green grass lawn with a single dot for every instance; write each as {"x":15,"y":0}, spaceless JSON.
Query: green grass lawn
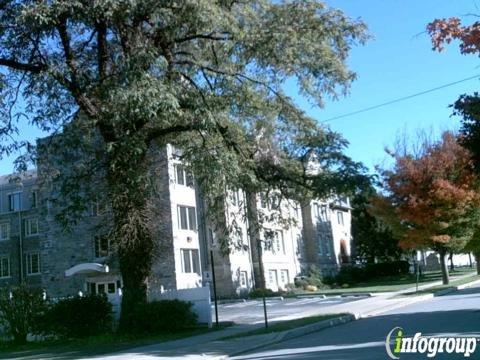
{"x":390,"y":283}
{"x":284,"y":325}
{"x":95,"y":345}
{"x":452,"y":284}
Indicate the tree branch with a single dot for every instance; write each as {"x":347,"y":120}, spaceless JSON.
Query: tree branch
{"x":102,"y":56}
{"x":16,"y":65}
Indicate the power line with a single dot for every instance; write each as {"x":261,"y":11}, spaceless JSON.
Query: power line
{"x":400,"y":99}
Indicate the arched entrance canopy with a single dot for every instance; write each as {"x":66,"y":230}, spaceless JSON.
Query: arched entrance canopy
{"x":87,"y":268}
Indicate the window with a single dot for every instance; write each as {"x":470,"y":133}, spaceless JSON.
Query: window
{"x":263,"y":200}
{"x":34,"y":199}
{"x":296,"y":209}
{"x":14,"y":202}
{"x":320,"y":244}
{"x":272,"y":277}
{"x":4,"y":266}
{"x":187,"y":218}
{"x":327,"y":246}
{"x":324,"y":213}
{"x":340,"y":217}
{"x":31,"y":227}
{"x":102,"y":246}
{"x":284,"y":276}
{"x":190,"y":261}
{"x":32,"y":262}
{"x":97,"y":208}
{"x":182,"y":176}
{"x":279,"y":242}
{"x":4,"y":231}
{"x":234,"y":197}
{"x":274,"y":202}
{"x":243,"y":279}
{"x":104,"y":287}
{"x":211,"y":236}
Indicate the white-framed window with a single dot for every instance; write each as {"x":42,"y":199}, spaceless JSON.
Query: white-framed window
{"x":15,"y":201}
{"x":34,"y":199}
{"x":97,"y":208}
{"x":235,"y":198}
{"x":263,"y":200}
{"x":340,"y":217}
{"x":110,"y":287}
{"x":243,"y":279}
{"x":190,"y":261}
{"x":274,"y":202}
{"x":4,"y":266}
{"x":284,"y":276}
{"x":182,"y":176}
{"x":273,"y":277}
{"x":211,"y":236}
{"x":101,"y":246}
{"x":187,"y":218}
{"x":32,"y":263}
{"x":324,"y":213}
{"x":296,"y":210}
{"x":279,"y":242}
{"x":4,"y":231}
{"x":31,"y":227}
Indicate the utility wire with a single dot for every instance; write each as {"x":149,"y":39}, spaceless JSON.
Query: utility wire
{"x":400,"y":99}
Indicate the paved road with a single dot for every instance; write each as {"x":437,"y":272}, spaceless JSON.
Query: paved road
{"x":458,"y":313}
{"x":251,"y":312}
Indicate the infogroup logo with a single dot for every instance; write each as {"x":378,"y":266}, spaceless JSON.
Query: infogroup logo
{"x":397,"y":344}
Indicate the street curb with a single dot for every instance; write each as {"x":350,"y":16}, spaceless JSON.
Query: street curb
{"x":456,"y":288}
{"x":230,"y":301}
{"x":359,"y":294}
{"x":293,"y":333}
{"x":312,"y":296}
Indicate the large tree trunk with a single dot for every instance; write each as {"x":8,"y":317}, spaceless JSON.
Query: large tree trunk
{"x":443,"y":266}
{"x":477,"y":260}
{"x":255,"y":245}
{"x":128,"y":187}
{"x":135,"y":267}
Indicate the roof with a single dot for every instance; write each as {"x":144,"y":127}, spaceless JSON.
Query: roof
{"x":16,"y":177}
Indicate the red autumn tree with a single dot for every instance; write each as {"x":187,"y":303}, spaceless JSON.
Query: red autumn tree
{"x":444,"y":31}
{"x":433,"y":193}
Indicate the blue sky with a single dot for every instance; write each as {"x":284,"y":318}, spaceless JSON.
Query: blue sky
{"x":397,"y":62}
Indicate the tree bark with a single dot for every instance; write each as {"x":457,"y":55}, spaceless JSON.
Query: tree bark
{"x":127,"y":177}
{"x":477,"y":260}
{"x":443,"y":266}
{"x":134,"y":291}
{"x":255,"y":245}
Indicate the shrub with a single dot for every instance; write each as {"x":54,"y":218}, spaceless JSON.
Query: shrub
{"x":20,"y":308}
{"x":78,"y":317}
{"x":258,"y":293}
{"x":355,"y":274}
{"x":313,"y":279}
{"x":392,"y":268}
{"x":164,"y":316}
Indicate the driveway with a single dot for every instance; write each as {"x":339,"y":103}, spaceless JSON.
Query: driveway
{"x":251,"y":312}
